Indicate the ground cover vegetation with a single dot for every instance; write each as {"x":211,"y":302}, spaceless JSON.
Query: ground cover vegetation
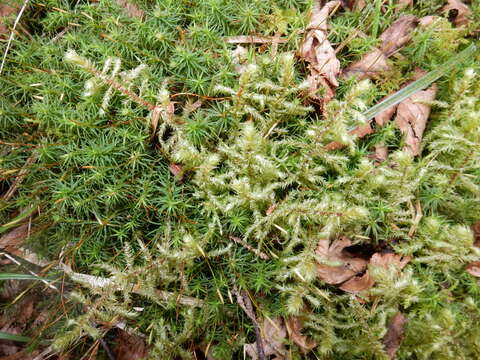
{"x":198,"y":179}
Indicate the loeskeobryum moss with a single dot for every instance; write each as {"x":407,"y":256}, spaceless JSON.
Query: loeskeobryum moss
{"x":154,"y":148}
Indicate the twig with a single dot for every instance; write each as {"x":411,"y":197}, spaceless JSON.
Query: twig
{"x":250,"y":248}
{"x":12,"y":35}
{"x":107,"y":349}
{"x":21,"y":176}
{"x":246,"y":304}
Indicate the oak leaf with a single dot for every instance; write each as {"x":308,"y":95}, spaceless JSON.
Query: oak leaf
{"x":319,"y":53}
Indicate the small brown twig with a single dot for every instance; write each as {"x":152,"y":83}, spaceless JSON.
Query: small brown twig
{"x":245,"y":303}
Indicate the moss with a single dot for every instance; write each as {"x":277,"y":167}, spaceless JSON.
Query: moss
{"x":253,"y":165}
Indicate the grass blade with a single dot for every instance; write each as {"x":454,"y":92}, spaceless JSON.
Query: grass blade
{"x":11,"y":276}
{"x":13,"y":337}
{"x":421,"y":83}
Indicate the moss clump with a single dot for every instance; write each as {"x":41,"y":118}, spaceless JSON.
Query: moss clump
{"x":151,"y":196}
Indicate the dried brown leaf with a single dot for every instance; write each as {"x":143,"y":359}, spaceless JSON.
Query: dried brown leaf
{"x":295,"y":327}
{"x":357,"y":284}
{"x":385,"y":260}
{"x":348,"y":267}
{"x":370,"y":65}
{"x":398,"y":34}
{"x":360,"y":132}
{"x":394,"y":336}
{"x":6,"y":11}
{"x":319,"y":53}
{"x":375,"y":61}
{"x":428,"y":20}
{"x":130,"y":347}
{"x":13,"y":239}
{"x":381,"y":152}
{"x":253,"y":39}
{"x":274,"y":334}
{"x":386,"y":115}
{"x":476,"y":233}
{"x":412,"y":116}
{"x":473,"y":268}
{"x":175,"y":169}
{"x":461,"y":12}
{"x":131,"y":9}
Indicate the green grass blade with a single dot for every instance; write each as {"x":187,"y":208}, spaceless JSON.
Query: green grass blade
{"x":421,"y":83}
{"x":11,"y":276}
{"x":13,"y":337}
{"x":18,"y":219}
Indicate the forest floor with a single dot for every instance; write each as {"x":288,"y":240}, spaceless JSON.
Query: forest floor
{"x":235,"y":179}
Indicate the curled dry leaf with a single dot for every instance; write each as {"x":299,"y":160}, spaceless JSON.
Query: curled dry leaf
{"x":319,"y":53}
{"x":274,"y":334}
{"x":335,"y":253}
{"x":459,"y":10}
{"x":394,"y":336}
{"x":131,"y":9}
{"x":473,"y":268}
{"x":175,"y":169}
{"x":393,"y":39}
{"x":295,"y":327}
{"x":130,"y":347}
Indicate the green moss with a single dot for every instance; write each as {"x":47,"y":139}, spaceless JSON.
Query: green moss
{"x":253,"y":165}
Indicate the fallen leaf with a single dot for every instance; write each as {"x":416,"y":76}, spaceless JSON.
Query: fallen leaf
{"x":348,"y":266}
{"x":319,"y":53}
{"x":273,"y":333}
{"x":175,"y":169}
{"x":356,"y":4}
{"x":386,"y":115}
{"x":385,"y":260}
{"x":252,"y":39}
{"x":476,"y":233}
{"x":357,"y":284}
{"x":131,"y":9}
{"x":394,"y":336}
{"x":398,"y":34}
{"x":381,"y":152}
{"x":239,"y":57}
{"x":375,"y":61}
{"x":13,"y":240}
{"x":404,"y":3}
{"x":412,"y":116}
{"x":428,"y":20}
{"x":295,"y":327}
{"x":5,"y":11}
{"x":473,"y":268}
{"x":129,"y":347}
{"x":359,"y":131}
{"x":460,"y":11}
